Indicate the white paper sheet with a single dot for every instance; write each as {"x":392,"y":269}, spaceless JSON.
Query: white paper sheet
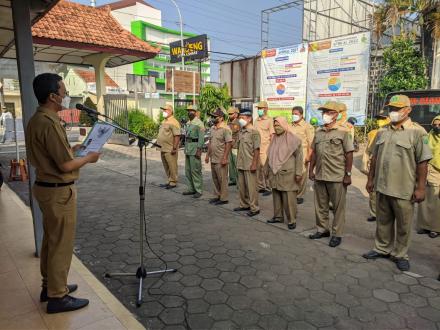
{"x":97,"y":137}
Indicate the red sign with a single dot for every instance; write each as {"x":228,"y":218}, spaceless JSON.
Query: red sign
{"x":425,"y":100}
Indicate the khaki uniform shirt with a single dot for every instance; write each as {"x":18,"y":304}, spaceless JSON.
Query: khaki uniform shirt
{"x":48,"y":147}
{"x":195,"y":136}
{"x":265,"y":128}
{"x":306,"y":133}
{"x":235,"y":129}
{"x":347,"y":127}
{"x":284,"y":179}
{"x":219,"y":137}
{"x":330,"y":148}
{"x":397,"y":152}
{"x":248,"y":141}
{"x":168,"y":130}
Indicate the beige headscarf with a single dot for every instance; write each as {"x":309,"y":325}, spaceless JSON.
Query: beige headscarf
{"x":282,"y":146}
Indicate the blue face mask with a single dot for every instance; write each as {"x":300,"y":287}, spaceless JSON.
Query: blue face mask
{"x":260,"y":113}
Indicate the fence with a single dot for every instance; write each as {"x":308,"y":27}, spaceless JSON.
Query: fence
{"x":115,"y":107}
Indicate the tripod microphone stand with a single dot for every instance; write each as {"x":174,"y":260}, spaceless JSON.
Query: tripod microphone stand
{"x":141,"y":272}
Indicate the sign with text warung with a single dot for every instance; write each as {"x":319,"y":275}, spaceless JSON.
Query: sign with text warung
{"x":196,"y":48}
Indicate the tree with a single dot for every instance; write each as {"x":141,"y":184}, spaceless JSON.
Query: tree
{"x":212,"y":97}
{"x":404,"y":67}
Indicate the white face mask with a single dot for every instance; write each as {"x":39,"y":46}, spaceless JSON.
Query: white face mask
{"x":327,"y":119}
{"x":165,"y":114}
{"x":296,"y":118}
{"x":395,"y":116}
{"x":65,"y":103}
{"x":242,"y":122}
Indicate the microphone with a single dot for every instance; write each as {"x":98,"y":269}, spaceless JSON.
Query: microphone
{"x":89,"y":111}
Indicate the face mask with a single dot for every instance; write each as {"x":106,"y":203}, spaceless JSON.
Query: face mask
{"x":436,"y":130}
{"x":65,"y":103}
{"x":327,"y":119}
{"x":395,"y":116}
{"x":260,"y":113}
{"x":279,"y":130}
{"x":165,"y":114}
{"x":295,"y":118}
{"x":217,"y":120}
{"x":191,"y":116}
{"x":339,"y":116}
{"x":242,"y":122}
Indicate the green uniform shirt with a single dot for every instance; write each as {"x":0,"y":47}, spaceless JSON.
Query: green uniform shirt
{"x":248,"y":141}
{"x":330,"y":148}
{"x":195,"y":130}
{"x":48,"y":148}
{"x":397,"y":152}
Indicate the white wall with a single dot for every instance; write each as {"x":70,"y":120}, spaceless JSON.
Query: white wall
{"x":139,"y":12}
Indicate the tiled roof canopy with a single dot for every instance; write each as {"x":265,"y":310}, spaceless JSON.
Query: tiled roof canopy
{"x":89,"y":77}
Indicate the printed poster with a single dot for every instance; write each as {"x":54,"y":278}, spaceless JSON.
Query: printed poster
{"x":338,"y":71}
{"x":283,"y":78}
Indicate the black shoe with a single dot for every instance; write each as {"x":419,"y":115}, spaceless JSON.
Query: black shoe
{"x":299,"y":200}
{"x":335,"y":241}
{"x":65,"y":304}
{"x":221,"y":202}
{"x":291,"y":226}
{"x":164,"y":185}
{"x":433,"y":234}
{"x":402,"y":264}
{"x":187,"y":193}
{"x":252,"y":213}
{"x":232,"y":184}
{"x":423,"y":231}
{"x":275,"y":220}
{"x":213,"y":200}
{"x":44,"y":297}
{"x":438,"y":278}
{"x":262,"y":191}
{"x":267,"y":193}
{"x":197,"y":195}
{"x":371,"y":219}
{"x":239,"y":209}
{"x":170,"y":186}
{"x":319,"y":235}
{"x":375,"y":255}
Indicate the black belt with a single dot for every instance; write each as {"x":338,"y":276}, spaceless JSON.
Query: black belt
{"x":192,"y":140}
{"x":53,"y":185}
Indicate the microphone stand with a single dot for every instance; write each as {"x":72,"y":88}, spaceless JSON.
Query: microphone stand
{"x":141,"y":272}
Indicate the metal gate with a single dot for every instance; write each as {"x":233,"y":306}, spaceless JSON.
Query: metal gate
{"x":115,"y":107}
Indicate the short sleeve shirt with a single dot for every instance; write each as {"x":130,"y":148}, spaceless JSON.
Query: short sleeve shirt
{"x":169,"y":128}
{"x":235,"y":129}
{"x":265,"y":128}
{"x":48,"y":148}
{"x":248,"y":141}
{"x":397,"y":152}
{"x":195,"y":136}
{"x":330,"y":147}
{"x":305,"y":132}
{"x":219,"y":137}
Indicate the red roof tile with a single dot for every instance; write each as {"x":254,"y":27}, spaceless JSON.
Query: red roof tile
{"x":89,"y":77}
{"x":73,"y":25}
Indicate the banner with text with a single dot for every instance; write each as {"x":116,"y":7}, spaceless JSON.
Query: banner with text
{"x":338,"y":71}
{"x":283,"y":78}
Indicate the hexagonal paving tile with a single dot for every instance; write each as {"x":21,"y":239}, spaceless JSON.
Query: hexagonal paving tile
{"x":212,"y":284}
{"x":216,"y":297}
{"x":220,"y":312}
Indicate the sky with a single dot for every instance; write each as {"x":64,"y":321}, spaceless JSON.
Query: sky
{"x":233,"y":26}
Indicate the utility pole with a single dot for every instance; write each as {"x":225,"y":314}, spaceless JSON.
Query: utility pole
{"x":182,"y":49}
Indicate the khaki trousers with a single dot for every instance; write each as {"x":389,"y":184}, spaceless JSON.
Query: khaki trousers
{"x":393,"y":225}
{"x":330,"y":192}
{"x":263,"y":181}
{"x":372,"y":204}
{"x":247,"y":188}
{"x":233,"y":166}
{"x":169,"y":162}
{"x":303,"y":183}
{"x":220,"y":179}
{"x":193,"y":173}
{"x":58,"y":206}
{"x":428,"y":216}
{"x":284,"y":202}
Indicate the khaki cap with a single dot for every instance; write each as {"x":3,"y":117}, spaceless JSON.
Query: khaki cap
{"x":332,"y":106}
{"x":167,"y":107}
{"x":192,"y":107}
{"x":399,"y":101}
{"x":262,"y":104}
{"x":232,"y":110}
{"x":342,"y":107}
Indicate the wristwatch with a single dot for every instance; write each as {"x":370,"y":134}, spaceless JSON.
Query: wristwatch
{"x":348,"y":173}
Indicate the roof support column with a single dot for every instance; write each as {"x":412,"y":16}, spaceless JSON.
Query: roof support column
{"x":99,"y":61}
{"x":26,"y":73}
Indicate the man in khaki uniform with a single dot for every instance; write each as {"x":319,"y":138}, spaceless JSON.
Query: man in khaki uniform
{"x":342,"y":122}
{"x":218,"y":151}
{"x":56,"y":171}
{"x":235,"y":129}
{"x":264,"y":125}
{"x":398,"y":173}
{"x":330,"y":169}
{"x":194,"y":140}
{"x":247,"y":163}
{"x":305,"y":132}
{"x":169,"y":139}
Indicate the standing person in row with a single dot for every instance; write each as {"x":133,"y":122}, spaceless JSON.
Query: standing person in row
{"x":398,"y":174}
{"x":285,"y":167}
{"x":306,"y":133}
{"x":264,"y":125}
{"x":235,"y":129}
{"x":218,"y":151}
{"x":194,"y":140}
{"x":169,"y":140}
{"x":330,"y":169}
{"x":428,"y":219}
{"x":247,"y":162}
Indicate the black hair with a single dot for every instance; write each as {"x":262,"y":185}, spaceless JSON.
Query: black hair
{"x":46,"y":84}
{"x":299,"y":109}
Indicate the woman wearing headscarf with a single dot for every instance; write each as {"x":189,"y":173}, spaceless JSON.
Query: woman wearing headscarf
{"x":285,"y":162}
{"x":428,"y":219}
